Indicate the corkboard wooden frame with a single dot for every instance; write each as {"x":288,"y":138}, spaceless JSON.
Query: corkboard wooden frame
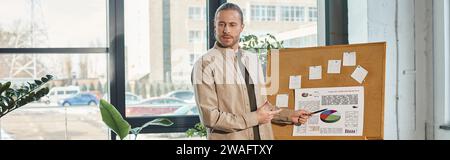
{"x":371,"y":56}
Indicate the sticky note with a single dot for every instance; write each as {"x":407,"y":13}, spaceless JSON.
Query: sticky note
{"x":315,"y":72}
{"x":359,"y":74}
{"x":334,"y":67}
{"x":349,"y":59}
{"x":295,"y":82}
{"x":282,"y":100}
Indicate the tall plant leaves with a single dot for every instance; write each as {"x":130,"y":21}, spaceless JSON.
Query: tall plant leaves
{"x":113,"y":119}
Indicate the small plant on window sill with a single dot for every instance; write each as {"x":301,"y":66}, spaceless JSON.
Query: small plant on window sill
{"x":198,"y":130}
{"x":114,"y":120}
{"x":261,"y":47}
{"x":12,"y":99}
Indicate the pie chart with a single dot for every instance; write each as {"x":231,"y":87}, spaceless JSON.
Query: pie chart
{"x":330,"y":116}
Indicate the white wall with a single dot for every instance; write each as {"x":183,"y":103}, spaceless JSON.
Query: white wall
{"x":405,"y":26}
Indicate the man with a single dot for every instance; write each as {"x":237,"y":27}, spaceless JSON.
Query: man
{"x":227,"y":87}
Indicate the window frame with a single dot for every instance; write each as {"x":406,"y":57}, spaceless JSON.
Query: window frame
{"x":336,"y":21}
{"x":117,"y":74}
{"x":441,"y":70}
{"x":447,"y":107}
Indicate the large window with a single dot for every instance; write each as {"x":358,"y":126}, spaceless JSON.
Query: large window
{"x":293,"y":26}
{"x":162,"y":43}
{"x":66,"y":39}
{"x":70,"y":110}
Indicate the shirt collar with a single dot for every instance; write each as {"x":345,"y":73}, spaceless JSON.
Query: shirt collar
{"x":225,"y":50}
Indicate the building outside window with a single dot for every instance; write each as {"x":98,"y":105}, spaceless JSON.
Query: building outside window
{"x":292,"y":13}
{"x":292,"y":27}
{"x":312,"y":14}
{"x":195,"y":37}
{"x":263,"y":12}
{"x":195,"y":13}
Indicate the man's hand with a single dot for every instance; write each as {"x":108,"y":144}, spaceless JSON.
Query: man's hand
{"x":265,"y":113}
{"x":300,"y":117}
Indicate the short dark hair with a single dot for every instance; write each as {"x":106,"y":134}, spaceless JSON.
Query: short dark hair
{"x":230,"y":6}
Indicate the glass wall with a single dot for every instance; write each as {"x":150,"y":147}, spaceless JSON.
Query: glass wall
{"x":70,"y":110}
{"x":291,"y":21}
{"x":163,"y":39}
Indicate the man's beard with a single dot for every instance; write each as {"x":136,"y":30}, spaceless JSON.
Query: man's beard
{"x":221,"y":44}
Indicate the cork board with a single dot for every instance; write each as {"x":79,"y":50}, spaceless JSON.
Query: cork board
{"x":370,"y":56}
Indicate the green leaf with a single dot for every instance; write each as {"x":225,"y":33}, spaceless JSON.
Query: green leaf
{"x":49,"y":77}
{"x":38,"y":82}
{"x":42,"y":92}
{"x":190,"y":132}
{"x":30,"y":85}
{"x":6,"y":103}
{"x":22,"y":91}
{"x":199,"y":129}
{"x":4,"y":87}
{"x":156,"y":122}
{"x":11,"y":103}
{"x":3,"y":102}
{"x":43,"y":79}
{"x":112,"y":118}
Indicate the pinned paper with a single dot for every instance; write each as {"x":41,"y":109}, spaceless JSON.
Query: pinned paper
{"x":359,"y":74}
{"x":282,"y":100}
{"x":349,"y":59}
{"x":295,"y":82}
{"x":315,"y":72}
{"x":334,"y":66}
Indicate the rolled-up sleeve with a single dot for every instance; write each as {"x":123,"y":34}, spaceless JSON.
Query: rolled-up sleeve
{"x":284,"y":117}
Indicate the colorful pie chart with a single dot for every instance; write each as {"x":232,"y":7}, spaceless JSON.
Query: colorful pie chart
{"x":330,"y":116}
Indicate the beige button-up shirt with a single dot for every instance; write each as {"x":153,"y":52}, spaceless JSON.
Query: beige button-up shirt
{"x":222,"y":97}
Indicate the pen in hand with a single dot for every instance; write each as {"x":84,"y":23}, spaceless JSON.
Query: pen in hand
{"x":310,"y":114}
{"x":319,"y":111}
